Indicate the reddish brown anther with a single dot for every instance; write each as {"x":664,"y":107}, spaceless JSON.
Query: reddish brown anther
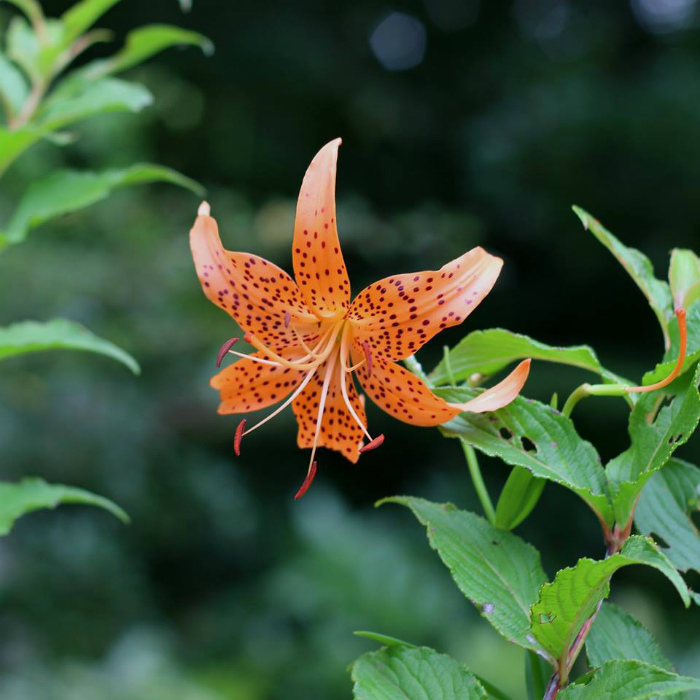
{"x":224,"y":349}
{"x":373,"y":444}
{"x":307,"y":482}
{"x":237,"y":437}
{"x":287,"y":319}
{"x":368,"y":357}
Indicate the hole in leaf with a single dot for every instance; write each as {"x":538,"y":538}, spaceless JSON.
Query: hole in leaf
{"x":495,"y":543}
{"x":527,"y":444}
{"x":660,"y":540}
{"x":505,"y":434}
{"x":546,"y":618}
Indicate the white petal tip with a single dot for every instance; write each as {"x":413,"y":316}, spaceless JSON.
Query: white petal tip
{"x":204,"y":209}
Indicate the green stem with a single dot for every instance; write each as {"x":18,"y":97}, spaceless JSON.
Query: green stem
{"x":448,"y":364}
{"x":592,"y":390}
{"x":478,"y":481}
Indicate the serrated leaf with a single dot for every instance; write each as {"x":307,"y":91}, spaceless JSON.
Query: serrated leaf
{"x":630,"y":680}
{"x":487,"y":352}
{"x":98,"y":97}
{"x":30,"y":494}
{"x":59,"y":334}
{"x":401,"y":673}
{"x":499,"y":572}
{"x":653,"y":443}
{"x":534,"y":436}
{"x":637,"y":266}
{"x":566,"y":603}
{"x":67,"y":191}
{"x":618,"y":635}
{"x":13,"y":86}
{"x":664,"y":510}
{"x":520,"y":494}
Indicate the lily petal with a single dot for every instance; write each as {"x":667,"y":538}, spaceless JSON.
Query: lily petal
{"x":402,"y":394}
{"x":499,"y":395}
{"x":254,"y":291}
{"x":339,"y":430}
{"x":398,"y":315}
{"x":318,"y":261}
{"x":248,"y":385}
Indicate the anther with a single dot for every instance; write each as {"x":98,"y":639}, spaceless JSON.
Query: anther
{"x":287,"y":319}
{"x":248,"y":337}
{"x":372,"y":445}
{"x":307,"y":481}
{"x":237,"y":437}
{"x":224,"y":349}
{"x":368,"y":356}
{"x":683,"y":339}
{"x":204,"y":209}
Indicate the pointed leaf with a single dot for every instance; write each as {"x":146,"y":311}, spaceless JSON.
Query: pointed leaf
{"x":81,"y":16}
{"x":66,"y":191}
{"x":566,"y":603}
{"x":518,"y":498}
{"x":500,"y":573}
{"x":34,"y":494}
{"x":535,"y":436}
{"x":630,"y":680}
{"x":618,"y":635}
{"x":653,"y":443}
{"x":665,"y":509}
{"x":684,"y":278}
{"x":638,"y":267}
{"x":59,"y":334}
{"x":13,"y":86}
{"x":401,"y":673}
{"x":487,"y":352}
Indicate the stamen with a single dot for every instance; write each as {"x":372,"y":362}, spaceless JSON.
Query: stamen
{"x":348,"y":405}
{"x":280,"y":408}
{"x":256,"y":359}
{"x":683,"y":339}
{"x":321,"y":406}
{"x":204,"y":209}
{"x":237,"y":437}
{"x":307,"y":482}
{"x":302,"y":342}
{"x":373,"y":444}
{"x":224,"y":349}
{"x":368,"y":355}
{"x":287,"y":319}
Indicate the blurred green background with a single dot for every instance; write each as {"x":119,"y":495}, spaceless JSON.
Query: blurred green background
{"x":464,"y":123}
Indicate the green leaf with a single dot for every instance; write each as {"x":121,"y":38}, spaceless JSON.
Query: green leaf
{"x":534,"y":436}
{"x":566,"y":603}
{"x":654,"y":442}
{"x":684,"y":278}
{"x":638,"y":267}
{"x":22,"y":46}
{"x":67,"y":191}
{"x":618,"y":635}
{"x":35,"y":494}
{"x":98,"y":97}
{"x":14,"y":143}
{"x":382,"y":639}
{"x":499,"y":573}
{"x":59,"y":334}
{"x":519,"y":496}
{"x":538,"y":671}
{"x":630,"y":680}
{"x":13,"y":86}
{"x":81,"y":16}
{"x":401,"y":673}
{"x":664,"y":510}
{"x":487,"y":352}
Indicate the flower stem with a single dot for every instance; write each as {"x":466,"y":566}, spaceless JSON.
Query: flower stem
{"x":592,"y":390}
{"x":478,"y":480}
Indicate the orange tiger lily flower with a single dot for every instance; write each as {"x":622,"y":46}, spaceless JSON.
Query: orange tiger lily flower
{"x":310,"y":338}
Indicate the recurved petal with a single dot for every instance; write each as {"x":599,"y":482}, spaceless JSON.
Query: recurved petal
{"x":499,"y":395}
{"x":398,"y":315}
{"x":402,"y":394}
{"x":339,"y":430}
{"x":254,"y":291}
{"x":318,"y":261}
{"x":248,"y":385}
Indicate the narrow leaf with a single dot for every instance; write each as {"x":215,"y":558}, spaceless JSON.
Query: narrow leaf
{"x":384,"y":639}
{"x":566,"y":603}
{"x":630,"y":680}
{"x":518,"y":498}
{"x":638,"y":267}
{"x":30,"y":494}
{"x":82,"y":15}
{"x":665,"y":509}
{"x":499,"y":573}
{"x":401,"y":673}
{"x":534,"y":436}
{"x":618,"y":635}
{"x":59,"y":334}
{"x":13,"y":86}
{"x":67,"y":191}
